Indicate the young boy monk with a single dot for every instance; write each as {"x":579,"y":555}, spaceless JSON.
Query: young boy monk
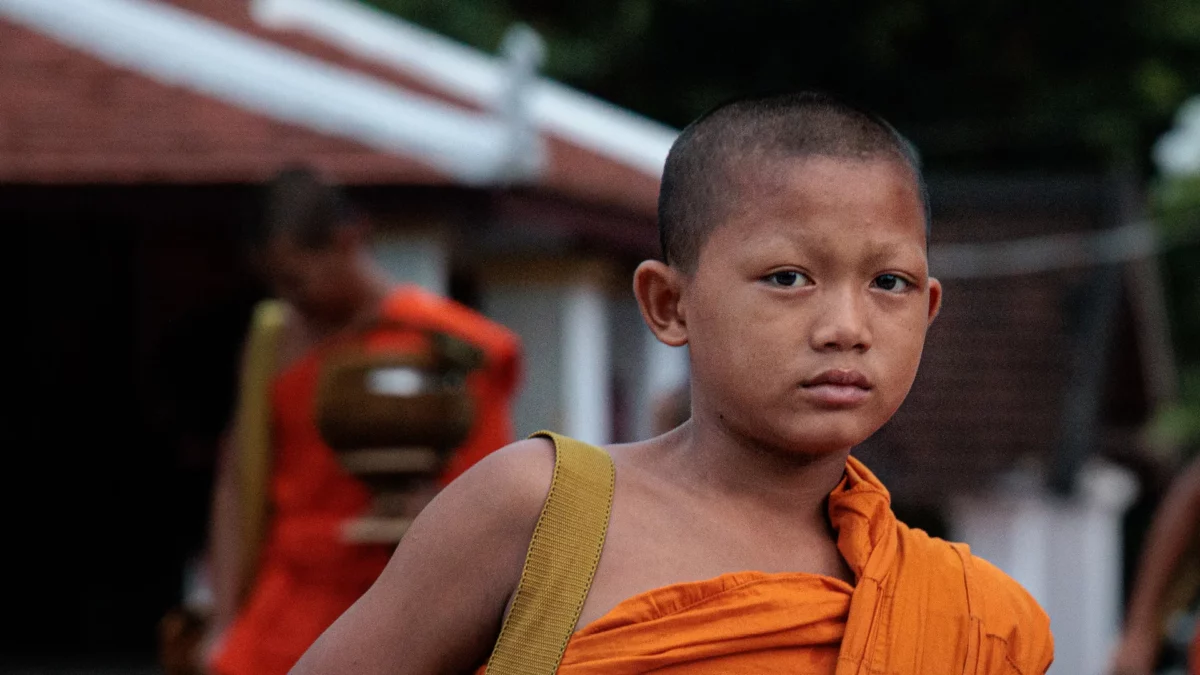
{"x":747,"y":540}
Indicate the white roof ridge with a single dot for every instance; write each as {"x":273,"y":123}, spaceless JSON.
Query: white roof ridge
{"x":178,"y":47}
{"x":474,"y":75}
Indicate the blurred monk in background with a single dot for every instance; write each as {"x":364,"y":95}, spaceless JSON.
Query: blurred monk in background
{"x":282,"y":568}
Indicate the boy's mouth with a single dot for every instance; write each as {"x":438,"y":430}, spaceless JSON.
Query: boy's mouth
{"x":838,"y":388}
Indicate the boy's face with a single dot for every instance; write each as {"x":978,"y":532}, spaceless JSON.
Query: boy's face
{"x":807,"y":310}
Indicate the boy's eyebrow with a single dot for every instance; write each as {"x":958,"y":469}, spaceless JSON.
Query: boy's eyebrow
{"x":882,"y":252}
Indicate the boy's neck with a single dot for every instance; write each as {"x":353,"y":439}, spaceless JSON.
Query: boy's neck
{"x":717,"y":458}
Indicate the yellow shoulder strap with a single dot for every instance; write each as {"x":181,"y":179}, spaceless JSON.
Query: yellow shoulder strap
{"x":253,"y":461}
{"x":560,"y":563}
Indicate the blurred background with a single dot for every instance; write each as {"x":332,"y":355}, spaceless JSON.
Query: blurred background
{"x":508,"y":152}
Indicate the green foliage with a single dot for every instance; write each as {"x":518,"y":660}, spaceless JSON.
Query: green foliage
{"x":581,"y":35}
{"x":1178,"y":425}
{"x":1175,"y":205}
{"x":479,"y":23}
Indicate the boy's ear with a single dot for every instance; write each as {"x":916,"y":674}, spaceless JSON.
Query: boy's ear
{"x":935,"y":298}
{"x":659,"y":291}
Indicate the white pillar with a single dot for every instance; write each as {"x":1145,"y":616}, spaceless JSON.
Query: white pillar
{"x":586,"y":370}
{"x":1066,"y":553}
{"x":419,"y":257}
{"x":560,"y":310}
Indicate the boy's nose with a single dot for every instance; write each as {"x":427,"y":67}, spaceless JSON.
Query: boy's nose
{"x":843,"y":325}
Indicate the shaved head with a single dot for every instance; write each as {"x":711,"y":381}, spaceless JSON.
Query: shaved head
{"x":720,"y":154}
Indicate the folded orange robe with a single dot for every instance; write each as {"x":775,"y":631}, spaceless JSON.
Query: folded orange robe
{"x":920,"y":606}
{"x":747,"y":622}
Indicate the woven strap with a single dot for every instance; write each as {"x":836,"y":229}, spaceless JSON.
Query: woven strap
{"x":560,"y":563}
{"x":254,"y":433}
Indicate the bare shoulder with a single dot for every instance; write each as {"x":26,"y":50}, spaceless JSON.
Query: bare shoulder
{"x":481,"y":523}
{"x":498,"y":499}
{"x":438,"y":605}
{"x":518,"y":475}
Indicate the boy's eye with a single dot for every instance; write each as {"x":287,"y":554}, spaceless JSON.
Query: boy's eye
{"x":891,"y":283}
{"x":787,"y":278}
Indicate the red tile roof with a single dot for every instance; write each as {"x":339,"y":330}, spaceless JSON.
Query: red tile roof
{"x":66,"y":117}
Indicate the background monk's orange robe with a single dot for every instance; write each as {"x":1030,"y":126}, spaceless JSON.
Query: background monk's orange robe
{"x":920,"y":606}
{"x":308,"y":576}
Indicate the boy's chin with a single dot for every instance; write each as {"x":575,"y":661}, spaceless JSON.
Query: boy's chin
{"x":814,"y":438}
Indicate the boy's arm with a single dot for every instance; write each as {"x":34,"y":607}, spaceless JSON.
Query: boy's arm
{"x":1174,"y":526}
{"x":438,"y":606}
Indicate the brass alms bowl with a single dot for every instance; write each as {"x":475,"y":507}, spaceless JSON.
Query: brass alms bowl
{"x":394,"y":418}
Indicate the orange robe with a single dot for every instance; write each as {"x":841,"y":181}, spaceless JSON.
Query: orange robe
{"x":308,"y":576}
{"x":920,"y":606}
